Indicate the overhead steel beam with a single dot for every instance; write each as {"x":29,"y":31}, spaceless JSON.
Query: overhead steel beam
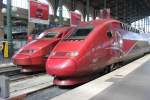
{"x":56,"y":4}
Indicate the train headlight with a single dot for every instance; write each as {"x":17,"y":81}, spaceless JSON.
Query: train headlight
{"x":72,"y":54}
{"x":75,"y":53}
{"x":53,"y":54}
{"x":68,"y":54}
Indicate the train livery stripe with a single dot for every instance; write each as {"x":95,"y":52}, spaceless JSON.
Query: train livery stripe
{"x":131,"y":48}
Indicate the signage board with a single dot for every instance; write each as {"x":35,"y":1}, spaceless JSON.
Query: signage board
{"x":38,"y":12}
{"x":105,"y":13}
{"x":75,"y":18}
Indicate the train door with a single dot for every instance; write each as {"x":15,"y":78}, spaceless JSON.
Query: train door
{"x":99,"y":55}
{"x":117,"y":42}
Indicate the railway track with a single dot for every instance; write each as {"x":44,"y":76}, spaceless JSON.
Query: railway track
{"x":26,"y":86}
{"x":47,"y":93}
{"x":21,"y":76}
{"x":21,"y":87}
{"x":35,"y":87}
{"x":9,"y":70}
{"x":14,"y":73}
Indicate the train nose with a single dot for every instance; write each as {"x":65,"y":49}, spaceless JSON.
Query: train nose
{"x":60,"y":67}
{"x":21,"y":59}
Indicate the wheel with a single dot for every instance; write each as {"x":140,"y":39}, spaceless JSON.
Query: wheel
{"x":112,"y":67}
{"x":106,"y":70}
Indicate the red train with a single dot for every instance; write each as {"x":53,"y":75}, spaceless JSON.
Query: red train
{"x":32,"y":57}
{"x":100,"y":44}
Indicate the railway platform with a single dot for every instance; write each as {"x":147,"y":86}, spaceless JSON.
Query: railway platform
{"x":6,"y":66}
{"x":131,"y":82}
{"x":5,"y":62}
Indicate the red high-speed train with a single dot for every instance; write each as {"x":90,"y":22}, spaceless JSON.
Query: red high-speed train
{"x":32,"y":57}
{"x":100,"y":45}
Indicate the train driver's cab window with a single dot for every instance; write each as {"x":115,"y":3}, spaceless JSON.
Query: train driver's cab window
{"x":47,"y":35}
{"x":80,"y":33}
{"x":109,"y":34}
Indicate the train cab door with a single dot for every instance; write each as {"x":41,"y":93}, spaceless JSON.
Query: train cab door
{"x":117,"y":44}
{"x":117,"y":41}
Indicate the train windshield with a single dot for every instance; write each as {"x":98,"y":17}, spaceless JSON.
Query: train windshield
{"x":80,"y":33}
{"x":47,"y":35}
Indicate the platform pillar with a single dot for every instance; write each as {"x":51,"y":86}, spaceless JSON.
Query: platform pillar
{"x":1,"y":21}
{"x":56,"y":3}
{"x":105,"y":3}
{"x":73,"y":5}
{"x":4,"y":87}
{"x":9,"y":29}
{"x":60,"y":13}
{"x":116,"y":9}
{"x":87,"y":8}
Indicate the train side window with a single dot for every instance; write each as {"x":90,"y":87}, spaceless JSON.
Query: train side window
{"x":131,"y":29}
{"x":126,"y":27}
{"x":109,"y":34}
{"x":121,"y":26}
{"x":47,"y":35}
{"x":50,"y":35}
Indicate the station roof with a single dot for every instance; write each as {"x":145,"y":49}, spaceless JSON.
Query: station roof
{"x":125,"y":10}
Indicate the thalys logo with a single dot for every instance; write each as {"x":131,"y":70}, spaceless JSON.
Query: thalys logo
{"x":39,"y":10}
{"x":39,"y":13}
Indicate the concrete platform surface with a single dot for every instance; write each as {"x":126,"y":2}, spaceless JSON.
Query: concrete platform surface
{"x":30,"y":85}
{"x":131,"y":82}
{"x":10,"y":64}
